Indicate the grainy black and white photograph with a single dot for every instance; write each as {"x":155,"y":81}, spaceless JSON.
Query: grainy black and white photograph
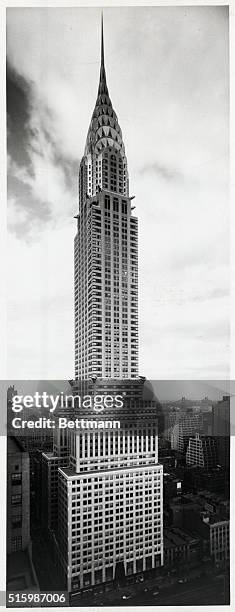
{"x":118,"y":391}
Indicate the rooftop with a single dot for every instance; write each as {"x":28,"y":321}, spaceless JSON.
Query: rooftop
{"x":14,"y":446}
{"x":177,"y":537}
{"x":212,"y":518}
{"x":20,"y":572}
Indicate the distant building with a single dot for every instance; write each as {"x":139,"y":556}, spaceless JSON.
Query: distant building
{"x":221,"y":429}
{"x":171,"y":418}
{"x":186,"y":426}
{"x":206,"y":500}
{"x":207,"y":421}
{"x":197,"y":479}
{"x":11,"y":391}
{"x":221,"y":417}
{"x":202,"y":452}
{"x":172,"y":485}
{"x":20,"y":570}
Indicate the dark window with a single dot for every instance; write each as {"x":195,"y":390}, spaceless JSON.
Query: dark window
{"x":16,"y":479}
{"x":16,"y":522}
{"x":16,"y":543}
{"x":16,"y":500}
{"x":107,"y":202}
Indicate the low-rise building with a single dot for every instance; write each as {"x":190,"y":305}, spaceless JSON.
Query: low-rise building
{"x":209,"y":518}
{"x":180,"y":547}
{"x":197,"y":479}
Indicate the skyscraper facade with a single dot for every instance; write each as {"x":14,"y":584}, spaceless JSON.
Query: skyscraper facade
{"x":106,"y":252}
{"x":110,"y":494}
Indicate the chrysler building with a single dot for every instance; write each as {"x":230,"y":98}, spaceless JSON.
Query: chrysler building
{"x":106,"y":252}
{"x":110,"y":484}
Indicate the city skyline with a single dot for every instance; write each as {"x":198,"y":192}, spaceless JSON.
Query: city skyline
{"x":169,"y":304}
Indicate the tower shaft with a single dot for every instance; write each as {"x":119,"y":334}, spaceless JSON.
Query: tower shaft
{"x":106,"y":252}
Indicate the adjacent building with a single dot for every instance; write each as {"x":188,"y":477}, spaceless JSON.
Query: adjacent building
{"x":110,"y":518}
{"x":20,"y":570}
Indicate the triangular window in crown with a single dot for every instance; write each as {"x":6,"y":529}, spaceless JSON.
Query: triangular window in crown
{"x":106,"y":130}
{"x":102,"y":142}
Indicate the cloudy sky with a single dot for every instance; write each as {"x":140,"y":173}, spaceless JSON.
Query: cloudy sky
{"x":167,"y":72}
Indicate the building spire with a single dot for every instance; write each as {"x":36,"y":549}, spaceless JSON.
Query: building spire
{"x":104,"y":130}
{"x":102,"y":40}
{"x":103,"y":89}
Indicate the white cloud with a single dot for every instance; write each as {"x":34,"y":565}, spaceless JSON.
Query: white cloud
{"x":54,"y":201}
{"x":40,"y":305}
